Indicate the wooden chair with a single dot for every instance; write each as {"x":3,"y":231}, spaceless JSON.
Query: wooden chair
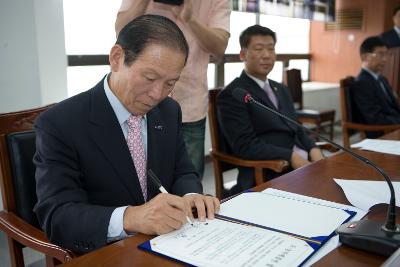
{"x":17,"y":177}
{"x":292,"y":79}
{"x":223,"y":161}
{"x":349,"y":126}
{"x":391,"y":70}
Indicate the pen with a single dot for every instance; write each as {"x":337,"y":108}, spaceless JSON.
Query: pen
{"x":157,"y":182}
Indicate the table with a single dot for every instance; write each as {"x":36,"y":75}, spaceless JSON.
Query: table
{"x":313,"y":180}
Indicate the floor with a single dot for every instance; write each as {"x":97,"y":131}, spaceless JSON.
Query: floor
{"x":34,"y":259}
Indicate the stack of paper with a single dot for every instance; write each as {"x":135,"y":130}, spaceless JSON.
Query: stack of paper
{"x":365,"y":194}
{"x":270,"y":228}
{"x":377,"y":145}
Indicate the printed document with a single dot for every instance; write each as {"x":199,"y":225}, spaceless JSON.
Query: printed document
{"x":222,"y":243}
{"x":271,"y":228}
{"x":334,"y":241}
{"x":304,"y":218}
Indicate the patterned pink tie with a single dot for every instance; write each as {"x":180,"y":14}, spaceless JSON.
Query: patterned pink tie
{"x":136,"y":148}
{"x":267,"y":88}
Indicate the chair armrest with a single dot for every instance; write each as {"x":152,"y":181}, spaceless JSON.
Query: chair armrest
{"x":275,"y":165}
{"x":30,"y":236}
{"x":326,"y":146}
{"x":364,"y":127}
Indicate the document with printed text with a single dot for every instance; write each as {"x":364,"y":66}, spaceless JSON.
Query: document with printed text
{"x":223,"y":243}
{"x":271,"y":228}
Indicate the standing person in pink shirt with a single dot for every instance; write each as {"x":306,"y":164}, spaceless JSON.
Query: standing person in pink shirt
{"x":205,"y":25}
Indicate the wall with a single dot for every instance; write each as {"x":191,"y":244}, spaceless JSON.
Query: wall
{"x":32,"y":54}
{"x":335,"y":53}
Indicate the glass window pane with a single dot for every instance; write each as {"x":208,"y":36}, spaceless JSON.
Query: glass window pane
{"x":80,"y":79}
{"x":292,"y":33}
{"x":211,"y":75}
{"x":239,"y":22}
{"x":302,"y":65}
{"x":276,"y":72}
{"x":233,"y":70}
{"x":89,"y":26}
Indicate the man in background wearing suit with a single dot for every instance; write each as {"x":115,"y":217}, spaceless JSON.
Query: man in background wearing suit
{"x":94,"y":149}
{"x":254,"y":133}
{"x":371,"y":94}
{"x":392,"y":37}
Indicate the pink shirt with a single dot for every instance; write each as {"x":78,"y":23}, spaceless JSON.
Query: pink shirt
{"x":191,"y":91}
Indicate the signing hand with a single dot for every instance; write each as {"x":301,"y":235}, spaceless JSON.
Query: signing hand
{"x":161,"y":215}
{"x":206,"y":206}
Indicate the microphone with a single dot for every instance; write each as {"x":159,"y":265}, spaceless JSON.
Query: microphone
{"x":374,"y":236}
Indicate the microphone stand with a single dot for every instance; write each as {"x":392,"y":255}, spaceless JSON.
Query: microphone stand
{"x":365,"y":234}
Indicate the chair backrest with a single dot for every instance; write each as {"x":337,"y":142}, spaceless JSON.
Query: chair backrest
{"x":292,"y":79}
{"x":391,"y":70}
{"x":216,"y":138}
{"x":348,"y":112}
{"x":345,"y":99}
{"x":21,"y":149}
{"x":218,"y":141}
{"x":17,"y":171}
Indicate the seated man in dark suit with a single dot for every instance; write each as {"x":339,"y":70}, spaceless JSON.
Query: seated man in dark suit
{"x":372,"y":95}
{"x":392,"y":37}
{"x":254,"y":133}
{"x":94,"y":149}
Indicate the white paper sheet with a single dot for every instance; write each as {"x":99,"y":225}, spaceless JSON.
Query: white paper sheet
{"x":365,"y":194}
{"x":334,"y":241}
{"x":288,"y":214}
{"x":377,"y":145}
{"x":222,"y":243}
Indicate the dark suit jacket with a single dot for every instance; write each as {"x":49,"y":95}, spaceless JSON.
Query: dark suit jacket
{"x":371,"y":103}
{"x":84,"y":168}
{"x":391,"y":38}
{"x":254,"y":133}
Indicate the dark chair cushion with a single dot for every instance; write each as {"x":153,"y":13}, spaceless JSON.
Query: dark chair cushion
{"x":21,"y":147}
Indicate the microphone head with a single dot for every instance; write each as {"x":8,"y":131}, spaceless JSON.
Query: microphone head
{"x":241,"y":95}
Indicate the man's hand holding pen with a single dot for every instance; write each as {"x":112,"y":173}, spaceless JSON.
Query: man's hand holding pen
{"x":167,"y":212}
{"x":160,"y":215}
{"x":205,"y":205}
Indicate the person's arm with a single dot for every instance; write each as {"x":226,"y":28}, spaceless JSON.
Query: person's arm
{"x":63,"y":210}
{"x":305,"y":142}
{"x":297,"y":161}
{"x":316,"y":154}
{"x":212,"y":39}
{"x":129,"y":10}
{"x":237,"y":127}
